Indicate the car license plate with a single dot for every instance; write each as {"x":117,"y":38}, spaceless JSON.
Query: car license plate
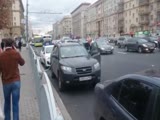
{"x":85,"y":78}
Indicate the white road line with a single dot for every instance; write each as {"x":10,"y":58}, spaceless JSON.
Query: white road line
{"x":124,"y":53}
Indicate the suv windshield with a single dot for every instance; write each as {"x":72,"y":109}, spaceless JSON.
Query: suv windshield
{"x":73,"y":51}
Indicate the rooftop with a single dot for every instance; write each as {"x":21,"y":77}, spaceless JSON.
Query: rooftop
{"x":80,"y":7}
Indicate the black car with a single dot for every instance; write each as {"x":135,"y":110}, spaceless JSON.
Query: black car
{"x":72,"y":64}
{"x":152,"y":40}
{"x":140,"y":45}
{"x":131,"y":97}
{"x":103,"y":46}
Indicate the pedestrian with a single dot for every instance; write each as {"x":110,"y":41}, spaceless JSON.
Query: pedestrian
{"x":20,"y":45}
{"x":9,"y":61}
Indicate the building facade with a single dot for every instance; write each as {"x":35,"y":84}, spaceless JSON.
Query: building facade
{"x":17,"y":28}
{"x":66,"y":26}
{"x":78,"y":20}
{"x":95,"y":19}
{"x":141,"y":15}
{"x":116,"y":17}
{"x":56,"y":30}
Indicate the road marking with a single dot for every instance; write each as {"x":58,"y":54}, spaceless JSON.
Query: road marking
{"x":124,"y":53}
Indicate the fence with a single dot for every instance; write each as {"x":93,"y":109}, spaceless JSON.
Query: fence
{"x":47,"y":105}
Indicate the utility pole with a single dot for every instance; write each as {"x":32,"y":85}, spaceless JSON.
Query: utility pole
{"x":27,"y":21}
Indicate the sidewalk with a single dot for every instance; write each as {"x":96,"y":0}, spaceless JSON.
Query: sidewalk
{"x":28,"y":101}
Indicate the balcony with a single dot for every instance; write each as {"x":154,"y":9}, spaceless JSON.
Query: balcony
{"x":143,"y":2}
{"x":144,"y":21}
{"x":158,"y":7}
{"x":120,"y":7}
{"x":144,"y":11}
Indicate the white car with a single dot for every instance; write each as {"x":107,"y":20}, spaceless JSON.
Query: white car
{"x":45,"y":55}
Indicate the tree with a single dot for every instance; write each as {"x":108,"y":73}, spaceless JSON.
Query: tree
{"x":5,"y":14}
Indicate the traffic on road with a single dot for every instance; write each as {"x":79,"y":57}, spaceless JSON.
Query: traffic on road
{"x":77,"y":66}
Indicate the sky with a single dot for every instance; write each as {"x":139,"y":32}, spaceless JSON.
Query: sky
{"x":45,"y":22}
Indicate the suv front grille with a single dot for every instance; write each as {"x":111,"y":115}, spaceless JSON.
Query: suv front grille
{"x":84,"y":70}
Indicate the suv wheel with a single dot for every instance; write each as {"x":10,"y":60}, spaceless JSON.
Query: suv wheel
{"x":139,"y":49}
{"x":151,"y":51}
{"x":61,"y":84}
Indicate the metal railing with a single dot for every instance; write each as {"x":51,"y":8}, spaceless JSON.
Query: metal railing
{"x":47,"y":105}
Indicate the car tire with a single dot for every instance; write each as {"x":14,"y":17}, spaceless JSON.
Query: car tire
{"x":151,"y":51}
{"x":140,"y":49}
{"x":61,"y":84}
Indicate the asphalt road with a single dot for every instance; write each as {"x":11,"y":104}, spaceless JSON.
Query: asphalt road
{"x":80,"y":101}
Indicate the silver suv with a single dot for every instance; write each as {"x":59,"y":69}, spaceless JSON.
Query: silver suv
{"x":121,"y":42}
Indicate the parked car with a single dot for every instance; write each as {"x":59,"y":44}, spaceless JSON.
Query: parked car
{"x":140,"y":45}
{"x":103,"y":46}
{"x":121,"y":42}
{"x":152,"y":40}
{"x":131,"y":97}
{"x":72,"y":64}
{"x":45,"y":55}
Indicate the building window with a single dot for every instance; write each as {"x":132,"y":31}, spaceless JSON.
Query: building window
{"x":133,"y":15}
{"x":136,"y":19}
{"x":126,"y":5}
{"x":133,"y":5}
{"x":14,"y":23}
{"x":130,"y":12}
{"x":126,"y":21}
{"x":130,"y":4}
{"x":151,"y":7}
{"x":14,"y":18}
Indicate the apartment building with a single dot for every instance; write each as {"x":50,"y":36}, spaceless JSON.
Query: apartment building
{"x":78,"y":20}
{"x":55,"y":30}
{"x":66,"y":26}
{"x":95,"y":19}
{"x":17,"y":24}
{"x":140,"y":15}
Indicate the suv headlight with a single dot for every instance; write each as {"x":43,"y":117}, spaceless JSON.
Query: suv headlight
{"x":96,"y":66}
{"x":144,"y":45}
{"x":67,"y":69}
